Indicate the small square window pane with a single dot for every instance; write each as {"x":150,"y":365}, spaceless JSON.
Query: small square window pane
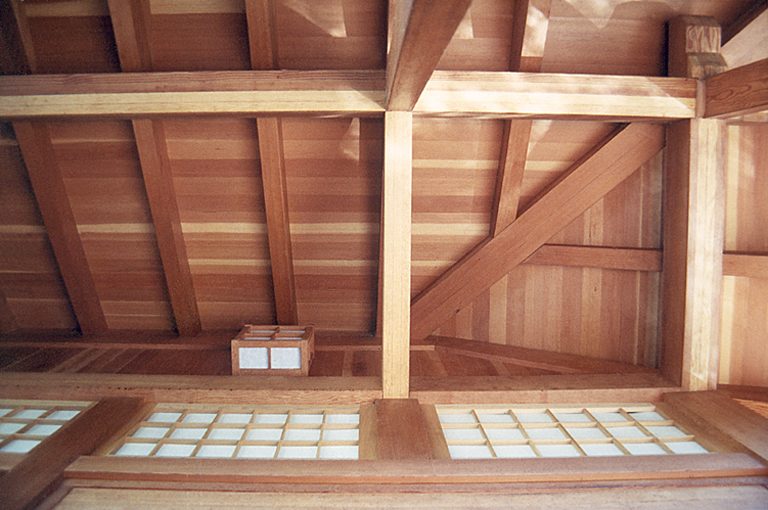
{"x":548,"y":433}
{"x":647,"y":416}
{"x":11,"y":427}
{"x":517,"y":451}
{"x":609,"y":417}
{"x":265,"y":434}
{"x":63,"y":414}
{"x":286,"y":357}
{"x":271,"y":418}
{"x":135,"y":449}
{"x":253,"y":357}
{"x":199,"y":418}
{"x":465,"y":451}
{"x":343,"y":418}
{"x":257,"y":452}
{"x":557,"y":450}
{"x":666,"y":431}
{"x":188,"y":433}
{"x":457,"y":418}
{"x":601,"y":450}
{"x":685,"y":447}
{"x":43,"y":429}
{"x":534,"y":418}
{"x":230,"y":434}
{"x":315,"y":419}
{"x":175,"y":450}
{"x":4,"y":411}
{"x":164,"y":417}
{"x":297,"y":452}
{"x":627,"y":432}
{"x":216,"y":450}
{"x":585,"y":432}
{"x":573,"y":417}
{"x":644,"y":449}
{"x":302,"y":435}
{"x":338,"y":452}
{"x":235,"y":418}
{"x":30,"y":414}
{"x":341,"y":435}
{"x":463,"y":434}
{"x":506,"y":434}
{"x":20,"y":446}
{"x":496,"y":418}
{"x":151,"y":432}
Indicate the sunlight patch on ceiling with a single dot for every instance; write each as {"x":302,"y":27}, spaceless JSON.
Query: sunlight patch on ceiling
{"x":329,"y":17}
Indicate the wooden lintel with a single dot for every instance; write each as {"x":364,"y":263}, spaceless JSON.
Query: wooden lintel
{"x":740,"y":91}
{"x":161,"y":195}
{"x":26,"y":482}
{"x":745,"y":264}
{"x":262,"y":33}
{"x":278,"y":224}
{"x":557,"y":96}
{"x":583,"y":185}
{"x":130,"y":24}
{"x":623,"y":259}
{"x":51,"y":194}
{"x":420,"y":30}
{"x":396,"y":252}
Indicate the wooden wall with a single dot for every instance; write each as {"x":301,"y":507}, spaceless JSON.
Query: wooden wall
{"x":744,"y":340}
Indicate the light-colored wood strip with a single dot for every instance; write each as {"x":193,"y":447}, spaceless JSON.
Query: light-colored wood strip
{"x":743,"y":264}
{"x":278,"y":224}
{"x":23,"y":484}
{"x":130,"y":24}
{"x":509,"y":182}
{"x":396,"y":253}
{"x":740,"y":91}
{"x":420,"y":31}
{"x":537,"y":95}
{"x":746,"y":39}
{"x":587,"y":181}
{"x":51,"y":194}
{"x":262,"y":33}
{"x":626,"y":259}
{"x":530,"y":23}
{"x":161,"y":194}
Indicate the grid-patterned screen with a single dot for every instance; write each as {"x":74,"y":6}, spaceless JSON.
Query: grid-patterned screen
{"x":25,"y":424}
{"x":520,"y":432}
{"x":246,"y":433}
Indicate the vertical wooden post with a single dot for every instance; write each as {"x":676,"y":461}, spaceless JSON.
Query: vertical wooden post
{"x":694,"y":210}
{"x":396,"y":253}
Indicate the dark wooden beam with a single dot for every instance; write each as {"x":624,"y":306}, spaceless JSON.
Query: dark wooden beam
{"x":420,"y":30}
{"x":262,"y":33}
{"x":51,"y":194}
{"x":584,"y":184}
{"x":130,"y":24}
{"x":17,"y":55}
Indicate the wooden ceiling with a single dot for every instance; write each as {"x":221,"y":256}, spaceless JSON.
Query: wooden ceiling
{"x":95,"y":174}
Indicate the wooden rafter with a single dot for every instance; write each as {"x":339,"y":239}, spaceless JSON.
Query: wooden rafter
{"x":48,"y":185}
{"x":587,"y":181}
{"x":130,"y":24}
{"x":530,"y":24}
{"x":396,"y":253}
{"x":278,"y":223}
{"x":745,"y":21}
{"x":738,"y":92}
{"x":262,"y":33}
{"x":420,"y":30}
{"x":746,"y":40}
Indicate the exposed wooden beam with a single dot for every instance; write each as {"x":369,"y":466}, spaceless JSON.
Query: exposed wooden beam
{"x":624,"y":259}
{"x":740,"y":91}
{"x":26,"y":482}
{"x":17,"y":55}
{"x":530,"y":24}
{"x":746,"y":40}
{"x":583,"y":185}
{"x":396,"y":253}
{"x":262,"y":33}
{"x":130,"y":24}
{"x":420,"y":30}
{"x":278,"y":224}
{"x":745,"y":264}
{"x":161,"y":195}
{"x":509,"y":181}
{"x":545,"y":95}
{"x":48,"y":185}
{"x":243,"y":93}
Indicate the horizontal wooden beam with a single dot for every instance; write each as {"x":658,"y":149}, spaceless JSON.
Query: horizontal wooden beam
{"x":743,"y":264}
{"x":740,"y":91}
{"x":243,"y":93}
{"x":544,"y":95}
{"x":601,"y":257}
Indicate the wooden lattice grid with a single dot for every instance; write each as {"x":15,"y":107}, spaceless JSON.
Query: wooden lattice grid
{"x":24,"y":424}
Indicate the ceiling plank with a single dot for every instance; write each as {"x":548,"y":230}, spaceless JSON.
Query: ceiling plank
{"x":48,"y":185}
{"x":278,"y":223}
{"x":262,"y":33}
{"x":17,"y":55}
{"x":740,"y":91}
{"x":7,"y":319}
{"x":557,"y":96}
{"x":420,"y":31}
{"x":130,"y":24}
{"x":587,"y":181}
{"x":624,"y":259}
{"x":396,"y":197}
{"x":161,"y":195}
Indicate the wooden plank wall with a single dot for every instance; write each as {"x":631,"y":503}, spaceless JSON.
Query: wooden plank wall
{"x":743,"y":350}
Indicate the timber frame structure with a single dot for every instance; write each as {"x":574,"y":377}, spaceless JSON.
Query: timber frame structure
{"x":157,"y":194}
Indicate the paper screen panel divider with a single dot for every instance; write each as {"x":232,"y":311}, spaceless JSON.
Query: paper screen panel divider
{"x":273,"y":350}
